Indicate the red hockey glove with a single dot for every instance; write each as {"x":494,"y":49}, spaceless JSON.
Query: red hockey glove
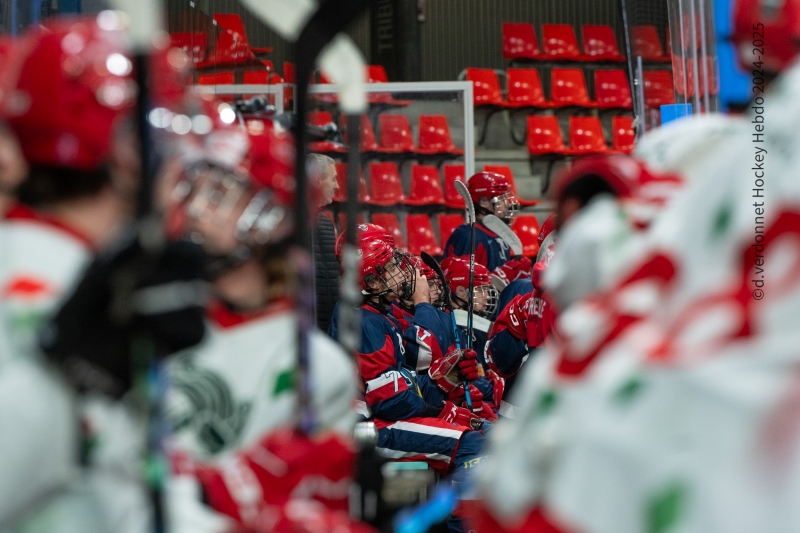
{"x":457,"y":397}
{"x":270,"y":473}
{"x":479,"y":407}
{"x":514,"y":269}
{"x":498,"y":387}
{"x":468,"y":365}
{"x":460,"y":416}
{"x":443,"y":371}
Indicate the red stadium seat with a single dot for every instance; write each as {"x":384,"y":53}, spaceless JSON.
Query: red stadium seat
{"x":385,"y":185}
{"x":341,"y":179}
{"x":486,"y":86}
{"x":506,"y":171}
{"x":396,"y":134}
{"x":611,"y":89}
{"x":233,"y":22}
{"x":646,"y":43}
{"x":568,"y":88}
{"x":525,"y":88}
{"x":389,"y":222}
{"x":367,"y":139}
{"x":544,"y":136}
{"x":320,"y":119}
{"x":434,"y":136}
{"x":420,"y":235}
{"x":623,"y":136}
{"x":376,"y":74}
{"x":451,"y":196}
{"x":658,"y":88}
{"x":425,"y":186}
{"x":220,"y":78}
{"x":559,"y":42}
{"x":600,"y":43}
{"x":519,"y":41}
{"x":447,"y":225}
{"x":527,"y":229}
{"x":193,"y":44}
{"x":586,"y":136}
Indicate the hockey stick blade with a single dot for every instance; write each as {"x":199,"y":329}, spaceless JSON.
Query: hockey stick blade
{"x":461,"y":189}
{"x":505,"y":233}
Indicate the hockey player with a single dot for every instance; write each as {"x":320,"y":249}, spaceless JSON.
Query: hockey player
{"x":445,"y":436}
{"x":431,"y":348}
{"x":456,"y":271}
{"x":62,"y":106}
{"x":231,"y":392}
{"x":491,"y":194}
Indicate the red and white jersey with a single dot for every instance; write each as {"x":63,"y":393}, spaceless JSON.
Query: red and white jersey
{"x":238,"y":384}
{"x":39,"y":261}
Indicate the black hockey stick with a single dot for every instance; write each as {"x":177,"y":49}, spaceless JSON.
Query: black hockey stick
{"x":461,"y":188}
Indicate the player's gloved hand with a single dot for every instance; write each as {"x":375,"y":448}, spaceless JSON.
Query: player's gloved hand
{"x":460,"y":416}
{"x":517,"y":316}
{"x":468,"y":365}
{"x":498,"y":387}
{"x":129,"y":296}
{"x":514,"y":269}
{"x":457,"y":397}
{"x":444,"y":371}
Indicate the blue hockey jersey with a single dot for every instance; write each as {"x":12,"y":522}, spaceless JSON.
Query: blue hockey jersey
{"x":490,"y":250}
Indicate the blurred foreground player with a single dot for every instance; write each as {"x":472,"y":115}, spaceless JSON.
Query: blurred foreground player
{"x":63,"y":118}
{"x":235,"y":392}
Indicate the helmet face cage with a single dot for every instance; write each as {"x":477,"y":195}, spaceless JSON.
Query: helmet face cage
{"x":213,"y":193}
{"x":484,"y":300}
{"x":398,"y":275}
{"x":437,"y":292}
{"x":506,"y":207}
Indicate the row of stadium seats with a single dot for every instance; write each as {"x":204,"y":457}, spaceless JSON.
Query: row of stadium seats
{"x":395,"y":135}
{"x":585,"y":136}
{"x":421,"y":236}
{"x":567,"y":88}
{"x":386,"y":185}
{"x":559,"y":43}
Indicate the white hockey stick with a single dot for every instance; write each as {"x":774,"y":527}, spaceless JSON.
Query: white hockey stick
{"x":505,"y":233}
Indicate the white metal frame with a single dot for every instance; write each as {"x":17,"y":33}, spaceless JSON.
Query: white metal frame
{"x":410,"y":87}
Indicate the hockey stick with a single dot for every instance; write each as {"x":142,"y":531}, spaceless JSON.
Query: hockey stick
{"x":509,"y":237}
{"x":507,"y":234}
{"x":434,"y":265}
{"x":461,"y":188}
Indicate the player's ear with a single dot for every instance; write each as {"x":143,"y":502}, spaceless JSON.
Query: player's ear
{"x":485,"y":202}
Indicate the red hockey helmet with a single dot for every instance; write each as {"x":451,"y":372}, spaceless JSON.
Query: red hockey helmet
{"x":72,"y":81}
{"x":485,"y":296}
{"x":487,"y":184}
{"x":496,"y":188}
{"x":776,"y":23}
{"x":241,"y":196}
{"x":384,"y":262}
{"x":365,"y":231}
{"x":547,"y":229}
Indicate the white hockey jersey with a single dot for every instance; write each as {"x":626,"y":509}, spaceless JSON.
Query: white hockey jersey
{"x":39,"y":261}
{"x":689,"y":421}
{"x":238,"y":384}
